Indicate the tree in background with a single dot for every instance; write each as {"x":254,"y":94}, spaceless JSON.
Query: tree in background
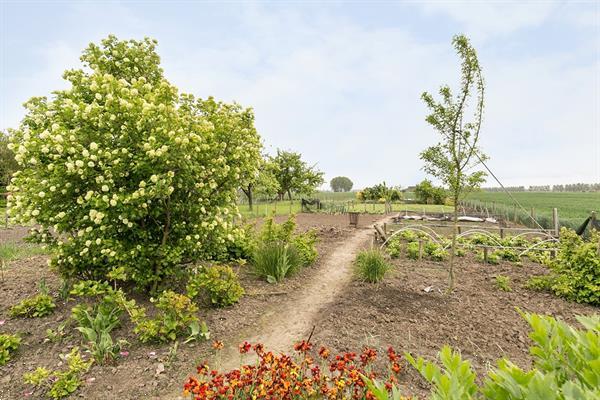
{"x":294,"y":175}
{"x":426,"y":193}
{"x":120,"y":169}
{"x":380,"y":192}
{"x":341,"y":184}
{"x":8,"y":164}
{"x":262,"y":183}
{"x":454,"y":158}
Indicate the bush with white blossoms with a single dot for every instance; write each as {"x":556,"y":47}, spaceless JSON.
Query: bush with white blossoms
{"x":122,"y":170}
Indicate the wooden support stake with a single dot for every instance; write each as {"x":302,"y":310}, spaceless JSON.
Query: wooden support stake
{"x":385,"y":228}
{"x":502,"y":233}
{"x":515,"y":214}
{"x":458,"y":229}
{"x":420,"y":249}
{"x":485,"y":255}
{"x":555,"y":223}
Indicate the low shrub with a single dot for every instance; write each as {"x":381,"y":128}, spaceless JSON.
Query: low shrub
{"x":371,"y":265}
{"x":9,"y":344}
{"x":576,"y":269}
{"x":412,"y":250}
{"x":503,"y":283}
{"x":394,"y":247}
{"x":218,"y":285}
{"x":37,"y":306}
{"x":275,"y":261}
{"x":541,"y":283}
{"x":306,"y":245}
{"x":176,"y":316}
{"x":492,"y":257}
{"x":59,"y":384}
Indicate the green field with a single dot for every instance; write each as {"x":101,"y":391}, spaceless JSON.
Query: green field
{"x":573,"y":207}
{"x":335,"y":203}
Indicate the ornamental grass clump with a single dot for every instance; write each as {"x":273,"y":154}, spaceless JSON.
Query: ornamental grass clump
{"x":371,"y":265}
{"x":121,"y":169}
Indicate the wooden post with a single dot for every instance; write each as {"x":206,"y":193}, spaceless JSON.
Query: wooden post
{"x":485,"y":254}
{"x":532,"y":213}
{"x":385,"y":228}
{"x":458,"y":229}
{"x":420,"y":249}
{"x":501,"y":233}
{"x":555,"y":223}
{"x":515,"y":213}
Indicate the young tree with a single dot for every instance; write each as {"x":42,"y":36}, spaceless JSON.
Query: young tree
{"x":458,"y":122}
{"x":294,"y":175}
{"x":428,"y":194}
{"x":127,"y":171}
{"x":341,"y":184}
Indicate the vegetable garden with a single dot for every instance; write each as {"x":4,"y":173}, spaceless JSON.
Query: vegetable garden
{"x":144,"y":277}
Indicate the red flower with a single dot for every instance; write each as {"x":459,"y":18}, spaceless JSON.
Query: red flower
{"x":245,"y":347}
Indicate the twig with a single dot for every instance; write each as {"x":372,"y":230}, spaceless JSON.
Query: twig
{"x":311,"y":333}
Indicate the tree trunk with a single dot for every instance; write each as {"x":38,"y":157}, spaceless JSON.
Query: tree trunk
{"x":290,"y":195}
{"x":248,"y":193}
{"x":453,"y":249}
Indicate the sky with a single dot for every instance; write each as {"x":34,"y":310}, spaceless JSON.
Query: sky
{"x":340,"y":82}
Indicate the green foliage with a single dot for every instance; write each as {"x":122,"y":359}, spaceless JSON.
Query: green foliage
{"x":371,"y":265}
{"x":96,"y":327}
{"x":294,"y":175}
{"x":341,"y":184}
{"x":435,"y":251}
{"x":306,"y":245}
{"x":219,"y":285}
{"x":8,"y":164}
{"x":394,"y":247}
{"x":380,"y":192}
{"x":275,"y":261}
{"x":120,"y":169}
{"x":503,"y":283}
{"x":566,"y":366}
{"x":412,"y":250}
{"x":281,"y":251}
{"x":426,"y":193}
{"x":60,"y":384}
{"x":576,"y":269}
{"x":34,"y":307}
{"x":492,"y":257}
{"x":541,"y":283}
{"x":456,"y":380}
{"x":8,"y":345}
{"x":176,"y":313}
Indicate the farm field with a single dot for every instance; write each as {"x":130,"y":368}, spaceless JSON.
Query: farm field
{"x":573,"y":208}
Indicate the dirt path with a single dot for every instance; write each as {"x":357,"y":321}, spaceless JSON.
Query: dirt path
{"x":292,"y":318}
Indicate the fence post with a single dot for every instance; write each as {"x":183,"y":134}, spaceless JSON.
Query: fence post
{"x":420,"y":249}
{"x":555,"y":223}
{"x":515,"y":214}
{"x":485,"y":254}
{"x":501,"y":233}
{"x":385,"y":228}
{"x":533,"y":213}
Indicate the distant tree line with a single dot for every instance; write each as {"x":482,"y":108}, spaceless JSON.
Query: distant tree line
{"x":572,"y":187}
{"x":380,"y":192}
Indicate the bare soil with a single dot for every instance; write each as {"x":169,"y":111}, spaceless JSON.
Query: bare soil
{"x":477,"y":318}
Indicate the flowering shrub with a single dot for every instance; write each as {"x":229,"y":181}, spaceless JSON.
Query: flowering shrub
{"x":218,"y":284}
{"x":129,"y":172}
{"x":305,"y":375}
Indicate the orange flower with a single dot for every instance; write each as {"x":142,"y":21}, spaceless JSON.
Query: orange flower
{"x":217,"y":345}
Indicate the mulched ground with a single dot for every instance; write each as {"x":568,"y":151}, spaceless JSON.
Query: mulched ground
{"x":478,"y":318}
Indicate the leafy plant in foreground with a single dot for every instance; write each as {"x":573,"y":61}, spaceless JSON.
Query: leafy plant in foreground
{"x":371,"y":265}
{"x":8,"y":345}
{"x":275,"y":261}
{"x":565,"y":367}
{"x":59,"y":384}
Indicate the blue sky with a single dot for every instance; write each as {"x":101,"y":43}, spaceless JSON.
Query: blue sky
{"x":341,"y":81}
